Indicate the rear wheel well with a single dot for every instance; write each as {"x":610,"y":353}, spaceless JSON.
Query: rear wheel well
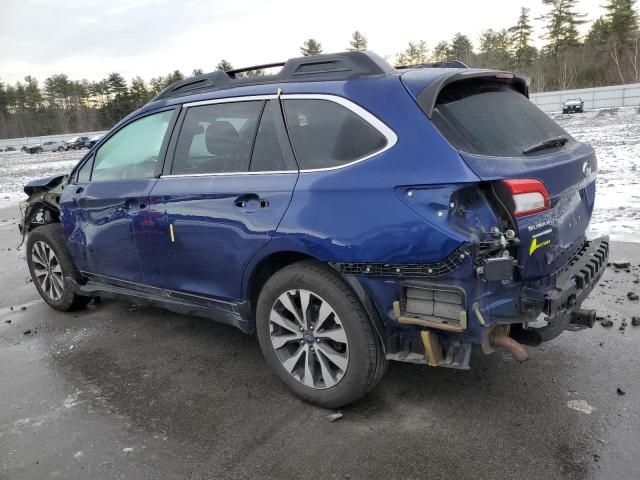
{"x":267,"y":267}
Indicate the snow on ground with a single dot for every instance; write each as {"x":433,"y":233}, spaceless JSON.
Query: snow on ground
{"x":614,"y":133}
{"x":18,"y":168}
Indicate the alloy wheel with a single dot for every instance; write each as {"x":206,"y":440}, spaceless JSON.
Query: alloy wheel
{"x":47,"y":270}
{"x":309,"y":339}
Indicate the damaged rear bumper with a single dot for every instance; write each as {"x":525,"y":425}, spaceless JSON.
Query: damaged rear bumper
{"x":570,"y":287}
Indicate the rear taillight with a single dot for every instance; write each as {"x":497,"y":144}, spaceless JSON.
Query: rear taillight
{"x":529,"y":196}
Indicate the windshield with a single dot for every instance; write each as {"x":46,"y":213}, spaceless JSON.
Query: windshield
{"x":492,"y":119}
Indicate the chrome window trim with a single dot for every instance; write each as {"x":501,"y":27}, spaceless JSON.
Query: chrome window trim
{"x":246,"y":98}
{"x":371,"y":119}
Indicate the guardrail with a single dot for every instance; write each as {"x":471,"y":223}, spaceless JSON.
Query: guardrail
{"x":19,"y":142}
{"x":594,"y":98}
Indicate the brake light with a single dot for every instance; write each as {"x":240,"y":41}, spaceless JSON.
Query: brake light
{"x":529,"y":196}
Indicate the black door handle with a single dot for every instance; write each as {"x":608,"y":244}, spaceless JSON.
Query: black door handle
{"x":244,"y":201}
{"x":79,"y":190}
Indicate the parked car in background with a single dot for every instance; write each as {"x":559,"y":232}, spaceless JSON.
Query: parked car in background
{"x":10,"y":149}
{"x":93,"y":140}
{"x":573,"y":105}
{"x":37,"y":148}
{"x":345,"y":211}
{"x":75,"y":143}
{"x":53,"y":146}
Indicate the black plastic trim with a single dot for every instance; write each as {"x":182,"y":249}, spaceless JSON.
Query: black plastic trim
{"x":337,"y":66}
{"x":429,"y":96}
{"x":436,"y":269}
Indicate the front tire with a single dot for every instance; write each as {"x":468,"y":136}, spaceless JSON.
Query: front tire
{"x":52,"y":269}
{"x":316,"y":335}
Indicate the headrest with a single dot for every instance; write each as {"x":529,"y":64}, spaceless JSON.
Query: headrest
{"x":221,"y":137}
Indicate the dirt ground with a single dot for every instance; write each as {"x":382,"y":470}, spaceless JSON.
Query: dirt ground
{"x":119,"y":391}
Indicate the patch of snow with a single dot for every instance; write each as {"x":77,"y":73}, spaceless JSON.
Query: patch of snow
{"x":615,"y":135}
{"x":72,"y":400}
{"x":18,"y":168}
{"x":581,"y":406}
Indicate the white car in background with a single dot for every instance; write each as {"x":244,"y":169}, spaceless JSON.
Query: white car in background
{"x":53,"y":146}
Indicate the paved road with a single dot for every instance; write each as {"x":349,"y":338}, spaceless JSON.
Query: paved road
{"x":121,"y":392}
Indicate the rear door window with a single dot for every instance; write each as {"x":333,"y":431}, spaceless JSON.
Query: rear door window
{"x":216,"y":138}
{"x":326,"y":134}
{"x":487,"y":118}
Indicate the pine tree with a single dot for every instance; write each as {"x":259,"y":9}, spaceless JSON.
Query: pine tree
{"x":157,"y":84}
{"x":117,"y":85}
{"x":311,"y":47}
{"x":33,"y":97}
{"x":621,"y":19}
{"x":461,"y":48}
{"x":523,"y":51}
{"x":139,"y":93}
{"x":224,"y":65}
{"x":173,"y":77}
{"x":495,"y":49}
{"x":562,"y":23}
{"x":440,"y":51}
{"x":598,"y":33}
{"x":414,"y":54}
{"x":358,"y":41}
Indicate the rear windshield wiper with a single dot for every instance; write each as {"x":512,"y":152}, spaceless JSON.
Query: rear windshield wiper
{"x":549,"y":143}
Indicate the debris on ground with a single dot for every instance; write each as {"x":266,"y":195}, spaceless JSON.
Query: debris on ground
{"x":132,"y":308}
{"x":23,"y":308}
{"x":620,"y":391}
{"x":621,"y":264}
{"x":127,"y":449}
{"x":632,"y":296}
{"x":27,"y":332}
{"x":580,"y":406}
{"x":635,"y":321}
{"x":607,"y":323}
{"x":7,"y":321}
{"x":335,"y":416}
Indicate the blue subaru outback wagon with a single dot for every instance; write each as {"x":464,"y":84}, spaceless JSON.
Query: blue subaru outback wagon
{"x":345,"y":211}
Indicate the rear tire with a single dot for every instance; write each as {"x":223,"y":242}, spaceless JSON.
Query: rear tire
{"x":60,"y":149}
{"x":327,"y":353}
{"x":52,"y":268}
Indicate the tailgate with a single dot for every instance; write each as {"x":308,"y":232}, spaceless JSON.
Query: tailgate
{"x":548,"y":239}
{"x":544,"y":178}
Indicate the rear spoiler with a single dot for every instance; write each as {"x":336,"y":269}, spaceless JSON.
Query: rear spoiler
{"x":429,"y":96}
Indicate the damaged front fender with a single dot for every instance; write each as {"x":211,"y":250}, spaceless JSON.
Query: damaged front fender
{"x":43,"y":205}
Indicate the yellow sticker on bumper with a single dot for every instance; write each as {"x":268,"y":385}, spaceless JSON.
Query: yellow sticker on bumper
{"x":535,"y":245}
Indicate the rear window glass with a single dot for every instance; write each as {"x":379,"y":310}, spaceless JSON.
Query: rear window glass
{"x":325,"y":134}
{"x":492,"y":119}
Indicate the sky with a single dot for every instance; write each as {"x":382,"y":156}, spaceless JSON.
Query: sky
{"x":92,"y":38}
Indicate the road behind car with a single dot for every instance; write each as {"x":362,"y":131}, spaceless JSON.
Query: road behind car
{"x":120,"y":390}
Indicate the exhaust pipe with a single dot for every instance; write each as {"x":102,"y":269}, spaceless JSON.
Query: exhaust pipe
{"x":510,"y":344}
{"x":583,"y":318}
